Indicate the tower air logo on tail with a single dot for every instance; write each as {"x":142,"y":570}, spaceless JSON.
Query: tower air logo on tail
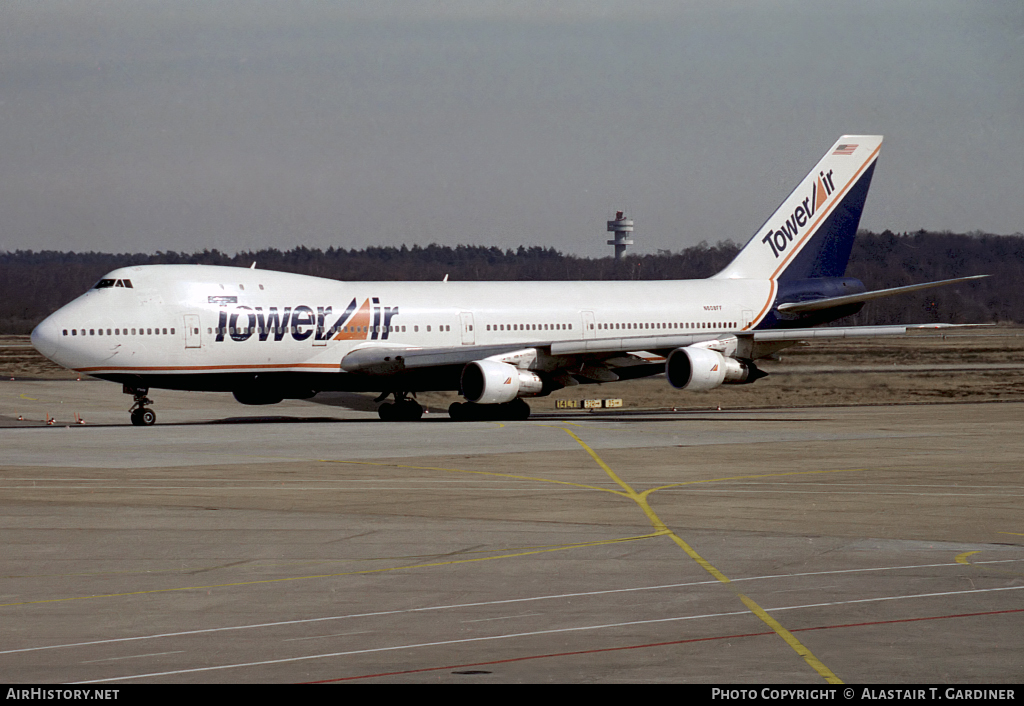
{"x":779,"y":238}
{"x":811,"y":233}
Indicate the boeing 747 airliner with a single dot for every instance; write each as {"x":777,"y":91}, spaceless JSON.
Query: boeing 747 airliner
{"x":267,"y":336}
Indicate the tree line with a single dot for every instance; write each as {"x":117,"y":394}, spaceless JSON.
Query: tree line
{"x":34,"y":284}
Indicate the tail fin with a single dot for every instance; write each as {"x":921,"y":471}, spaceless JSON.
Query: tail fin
{"x":812,"y":232}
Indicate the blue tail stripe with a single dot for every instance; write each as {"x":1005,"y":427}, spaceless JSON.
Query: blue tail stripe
{"x":828,"y":252}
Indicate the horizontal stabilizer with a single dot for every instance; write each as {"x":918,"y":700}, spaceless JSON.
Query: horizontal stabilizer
{"x":831,"y":302}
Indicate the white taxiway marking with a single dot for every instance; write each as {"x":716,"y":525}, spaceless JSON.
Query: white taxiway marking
{"x":115,"y":659}
{"x":319,"y":637}
{"x":439,"y":643}
{"x":504,"y":617}
{"x":498,"y":602}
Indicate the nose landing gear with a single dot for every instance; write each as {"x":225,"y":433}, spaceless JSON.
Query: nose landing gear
{"x":141,"y":415}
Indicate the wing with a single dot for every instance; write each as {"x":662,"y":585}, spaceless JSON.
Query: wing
{"x":601,"y":355}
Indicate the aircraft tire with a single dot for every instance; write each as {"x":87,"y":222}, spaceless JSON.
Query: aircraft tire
{"x":143,"y":417}
{"x":518,"y":410}
{"x":411,"y":411}
{"x":404,"y":411}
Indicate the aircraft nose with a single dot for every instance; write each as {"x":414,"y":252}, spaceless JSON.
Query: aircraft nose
{"x":46,"y":338}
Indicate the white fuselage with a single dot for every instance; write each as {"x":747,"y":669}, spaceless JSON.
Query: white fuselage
{"x":196,"y":319}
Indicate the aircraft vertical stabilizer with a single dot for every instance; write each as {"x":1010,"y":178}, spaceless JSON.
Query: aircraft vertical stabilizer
{"x":812,"y":232}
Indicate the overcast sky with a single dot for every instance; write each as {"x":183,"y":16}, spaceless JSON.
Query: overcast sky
{"x":182,"y":125}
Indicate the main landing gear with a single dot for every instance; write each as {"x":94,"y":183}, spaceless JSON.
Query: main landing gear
{"x":142,"y":416}
{"x":515,"y":411}
{"x":402,"y":409}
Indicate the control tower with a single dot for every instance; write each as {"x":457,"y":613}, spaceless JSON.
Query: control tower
{"x":621,"y":226}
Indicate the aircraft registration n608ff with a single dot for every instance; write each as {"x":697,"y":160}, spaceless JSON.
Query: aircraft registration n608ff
{"x":267,"y":336}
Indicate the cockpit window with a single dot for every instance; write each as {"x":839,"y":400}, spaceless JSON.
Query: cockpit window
{"x":104,"y":283}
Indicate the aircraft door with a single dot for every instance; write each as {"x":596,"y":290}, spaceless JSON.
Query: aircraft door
{"x":320,"y":336}
{"x":193,"y":337}
{"x":748,"y":317}
{"x":589,"y":326}
{"x":466,"y":321}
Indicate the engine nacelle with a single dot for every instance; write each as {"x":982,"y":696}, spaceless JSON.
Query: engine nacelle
{"x":491,"y":382}
{"x":699,"y":369}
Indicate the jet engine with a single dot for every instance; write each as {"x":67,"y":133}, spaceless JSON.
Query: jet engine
{"x":699,"y":369}
{"x":493,"y":382}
